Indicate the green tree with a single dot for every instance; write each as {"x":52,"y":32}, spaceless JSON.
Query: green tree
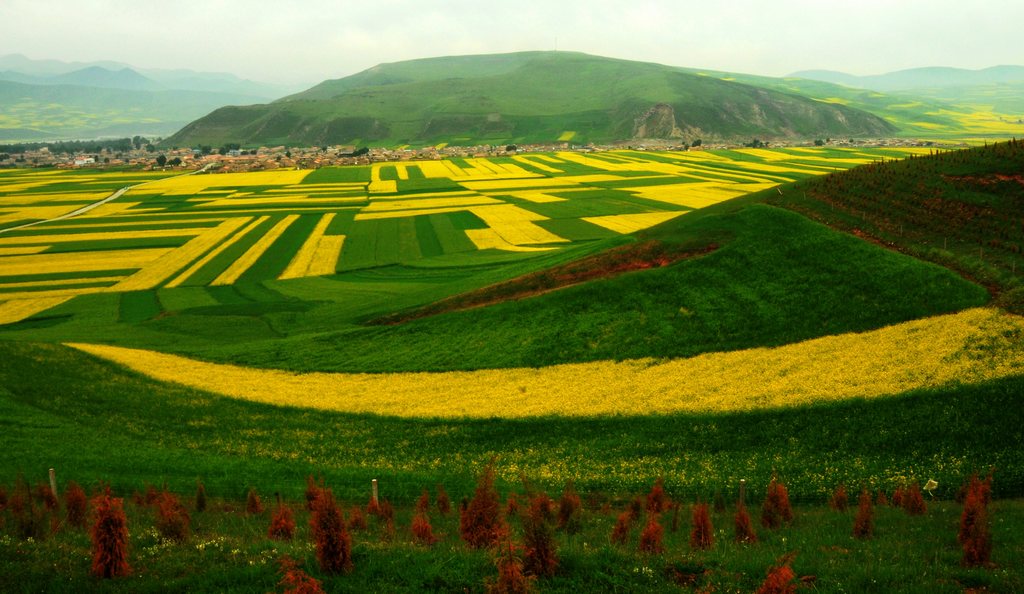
{"x":161,"y":160}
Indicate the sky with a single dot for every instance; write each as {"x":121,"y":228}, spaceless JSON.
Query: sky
{"x":306,"y":41}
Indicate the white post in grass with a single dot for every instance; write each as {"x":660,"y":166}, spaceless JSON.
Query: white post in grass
{"x":374,"y":496}
{"x":743,"y":491}
{"x":53,"y":482}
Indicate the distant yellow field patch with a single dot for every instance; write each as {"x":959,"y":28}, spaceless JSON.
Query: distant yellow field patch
{"x":22,"y":251}
{"x":79,"y":261}
{"x":516,"y":225}
{"x":198,"y":264}
{"x":183,"y":185}
{"x":386,"y":186}
{"x":631,"y":223}
{"x":536,"y":164}
{"x":318,"y":255}
{"x":20,"y":309}
{"x":245,"y":262}
{"x":567,"y":136}
{"x":485,"y":239}
{"x":100,"y":236}
{"x":928,"y":353}
{"x":539,"y":182}
{"x":427,"y":203}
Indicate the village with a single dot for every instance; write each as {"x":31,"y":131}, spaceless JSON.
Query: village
{"x":233,"y":158}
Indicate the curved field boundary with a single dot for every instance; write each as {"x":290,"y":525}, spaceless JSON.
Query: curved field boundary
{"x":967,"y":347}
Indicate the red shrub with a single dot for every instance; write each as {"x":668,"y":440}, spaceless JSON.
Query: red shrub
{"x":282,"y":523}
{"x":623,"y":525}
{"x":333,"y":543}
{"x":743,"y":527}
{"x":253,"y":505}
{"x":650,"y":538}
{"x":422,"y":531}
{"x":172,"y":520}
{"x":569,"y":506}
{"x":702,"y":535}
{"x":657,"y":501}
{"x":387,"y":516}
{"x":897,"y":497}
{"x":511,"y":505}
{"x":312,"y":491}
{"x":839,"y":501}
{"x":780,"y":579}
{"x":511,"y":579}
{"x":882,"y":499}
{"x":444,"y":505}
{"x":864,"y":524}
{"x":200,"y":497}
{"x":152,"y":495}
{"x":356,"y":519}
{"x":109,"y":538}
{"x":423,"y":503}
{"x":913,"y":502}
{"x":776,"y":509}
{"x":45,"y":494}
{"x":975,"y":536}
{"x":481,"y":523}
{"x":297,"y":581}
{"x":540,"y":555}
{"x":373,"y":507}
{"x":76,"y":504}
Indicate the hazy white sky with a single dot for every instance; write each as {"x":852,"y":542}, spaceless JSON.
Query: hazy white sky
{"x":311,"y":40}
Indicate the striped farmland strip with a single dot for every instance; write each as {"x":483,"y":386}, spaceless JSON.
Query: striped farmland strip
{"x":181,"y":278}
{"x":164,"y":267}
{"x":249,"y":258}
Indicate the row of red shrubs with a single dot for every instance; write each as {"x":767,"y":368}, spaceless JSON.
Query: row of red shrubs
{"x":482,"y":523}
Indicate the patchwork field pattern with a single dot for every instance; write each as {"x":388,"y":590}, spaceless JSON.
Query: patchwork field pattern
{"x":213,"y":230}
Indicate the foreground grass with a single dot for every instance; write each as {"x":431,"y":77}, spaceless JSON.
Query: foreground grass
{"x":228,"y":551}
{"x":94,"y":420}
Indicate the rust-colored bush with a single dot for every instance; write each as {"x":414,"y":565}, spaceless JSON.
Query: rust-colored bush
{"x":312,"y":491}
{"x":744,"y":528}
{"x":387,"y":518}
{"x":29,"y":518}
{"x":253,"y":505}
{"x":864,"y":523}
{"x":481,"y":524}
{"x":913,"y":502}
{"x":540,"y":555}
{"x":373,"y":507}
{"x":444,"y":504}
{"x":702,"y":534}
{"x":657,"y":501}
{"x":332,"y":540}
{"x":511,"y":506}
{"x":423,"y":503}
{"x":152,"y":495}
{"x":897,"y":497}
{"x":422,"y":531}
{"x":651,"y":536}
{"x":636,"y":507}
{"x":839,"y":501}
{"x":76,"y":505}
{"x":282,"y":523}
{"x":511,"y":578}
{"x":975,"y":535}
{"x":776,"y":509}
{"x":200,"y":505}
{"x":569,"y":507}
{"x":882,"y":499}
{"x":780,"y":578}
{"x":297,"y":581}
{"x":46,"y":496}
{"x":356,"y":519}
{"x":172,"y":519}
{"x":623,"y":525}
{"x":109,"y":537}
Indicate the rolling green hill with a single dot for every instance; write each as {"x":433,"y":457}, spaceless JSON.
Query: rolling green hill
{"x":527,"y":97}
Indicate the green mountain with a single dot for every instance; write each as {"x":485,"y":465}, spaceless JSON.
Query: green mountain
{"x":527,"y":97}
{"x":921,"y":78}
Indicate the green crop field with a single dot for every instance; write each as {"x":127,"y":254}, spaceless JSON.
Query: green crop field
{"x":604,"y":319}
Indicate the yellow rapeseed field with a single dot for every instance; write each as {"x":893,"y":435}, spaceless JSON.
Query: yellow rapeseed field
{"x":485,"y":239}
{"x":79,"y":261}
{"x":303,"y":262}
{"x":181,"y":278}
{"x":19,"y":309}
{"x":631,"y":223}
{"x":169,"y":264}
{"x":515,"y":225}
{"x":920,"y":354}
{"x":239,"y":266}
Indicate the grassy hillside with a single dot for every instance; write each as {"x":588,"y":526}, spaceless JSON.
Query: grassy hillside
{"x":527,"y":97}
{"x":960,"y":209}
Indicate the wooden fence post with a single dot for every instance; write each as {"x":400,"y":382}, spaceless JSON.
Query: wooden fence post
{"x":53,"y":482}
{"x":374,"y":496}
{"x":743,"y":491}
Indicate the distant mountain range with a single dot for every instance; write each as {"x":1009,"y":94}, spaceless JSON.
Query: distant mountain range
{"x":528,"y":97}
{"x":50,"y":99}
{"x":920,"y":78}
